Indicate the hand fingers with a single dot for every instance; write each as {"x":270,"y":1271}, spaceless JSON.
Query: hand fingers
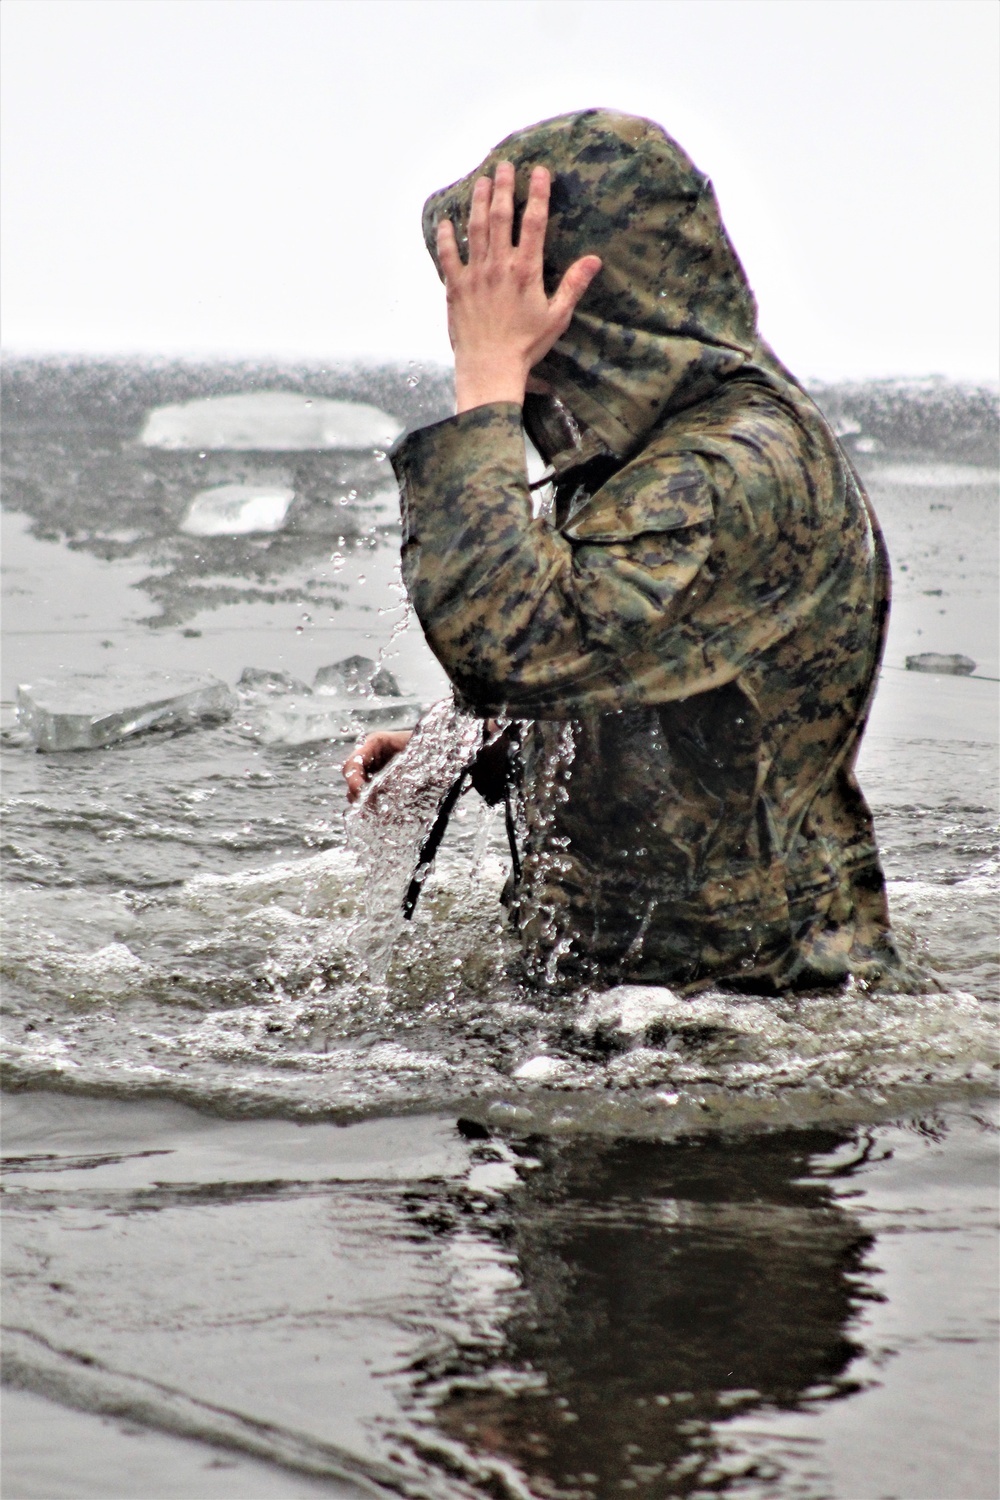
{"x":354,"y":775}
{"x":362,"y":765}
{"x":536,"y":217}
{"x":572,"y":287}
{"x":447,"y":248}
{"x":479,"y":219}
{"x":502,"y":208}
{"x":371,"y":755}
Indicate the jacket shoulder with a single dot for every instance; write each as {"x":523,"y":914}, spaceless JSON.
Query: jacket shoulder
{"x":758,"y":432}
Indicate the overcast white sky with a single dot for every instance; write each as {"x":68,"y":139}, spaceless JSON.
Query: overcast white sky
{"x":246,"y":176}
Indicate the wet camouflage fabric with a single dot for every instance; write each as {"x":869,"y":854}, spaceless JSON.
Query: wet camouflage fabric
{"x":689,"y":644}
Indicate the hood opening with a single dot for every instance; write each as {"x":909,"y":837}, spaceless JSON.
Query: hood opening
{"x":671,"y":315}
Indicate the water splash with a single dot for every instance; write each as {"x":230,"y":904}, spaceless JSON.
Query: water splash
{"x":389,"y":827}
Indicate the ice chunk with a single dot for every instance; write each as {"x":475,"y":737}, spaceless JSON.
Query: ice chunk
{"x":237,"y":510}
{"x":630,"y":1009}
{"x":539,"y":1069}
{"x":954,"y":664}
{"x":305,"y":721}
{"x":260,"y":680}
{"x":270,"y":421}
{"x":348,"y":699}
{"x":87,"y":710}
{"x":358,"y":675}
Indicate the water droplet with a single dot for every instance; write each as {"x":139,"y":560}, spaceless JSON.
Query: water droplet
{"x":378,"y":455}
{"x":362,"y":578}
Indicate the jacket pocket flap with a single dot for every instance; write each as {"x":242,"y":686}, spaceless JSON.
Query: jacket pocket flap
{"x":665,"y":494}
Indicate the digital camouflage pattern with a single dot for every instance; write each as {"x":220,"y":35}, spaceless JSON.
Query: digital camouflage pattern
{"x":690,"y":643}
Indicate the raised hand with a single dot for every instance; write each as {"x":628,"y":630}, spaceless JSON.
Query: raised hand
{"x":500,"y":321}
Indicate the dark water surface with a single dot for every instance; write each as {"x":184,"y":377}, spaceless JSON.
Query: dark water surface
{"x":793,"y":1313}
{"x":743,"y":1247}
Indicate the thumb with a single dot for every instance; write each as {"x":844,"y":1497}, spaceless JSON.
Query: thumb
{"x":572,"y":287}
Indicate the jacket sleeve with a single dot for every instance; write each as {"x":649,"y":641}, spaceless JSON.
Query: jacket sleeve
{"x":535,"y":621}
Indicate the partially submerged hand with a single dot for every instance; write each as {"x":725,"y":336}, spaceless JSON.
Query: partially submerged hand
{"x":371,"y":756}
{"x":500,"y":321}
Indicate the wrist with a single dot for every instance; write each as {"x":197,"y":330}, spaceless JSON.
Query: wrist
{"x":483,"y":380}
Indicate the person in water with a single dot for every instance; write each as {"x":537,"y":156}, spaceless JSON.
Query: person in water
{"x":686,"y":649}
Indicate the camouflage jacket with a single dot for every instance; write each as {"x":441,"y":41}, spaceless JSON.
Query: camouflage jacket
{"x":690,"y":643}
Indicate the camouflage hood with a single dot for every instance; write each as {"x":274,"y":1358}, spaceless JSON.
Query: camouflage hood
{"x":671,"y":316}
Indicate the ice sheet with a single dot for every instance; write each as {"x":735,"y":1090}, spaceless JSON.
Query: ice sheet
{"x":270,"y":421}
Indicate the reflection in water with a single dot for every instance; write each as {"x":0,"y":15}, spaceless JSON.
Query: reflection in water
{"x":665,"y":1287}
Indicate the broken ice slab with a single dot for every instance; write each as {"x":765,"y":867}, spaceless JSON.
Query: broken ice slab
{"x":541,"y":1069}
{"x":307,"y":721}
{"x":88,"y":710}
{"x":261,"y":680}
{"x":237,"y":510}
{"x":627,"y":1011}
{"x":270,"y":421}
{"x":348,"y":699}
{"x":954,"y":664}
{"x":358,"y":675}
